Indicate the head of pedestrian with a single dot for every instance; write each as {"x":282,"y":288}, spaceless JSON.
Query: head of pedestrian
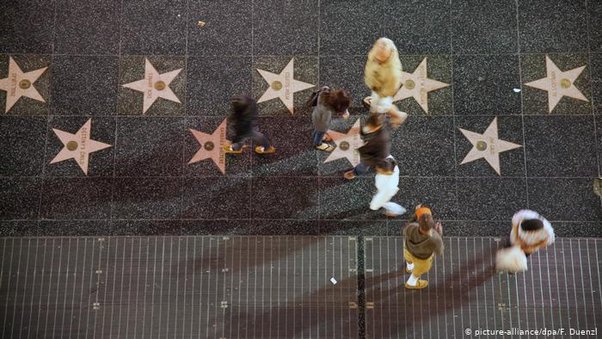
{"x":382,"y":50}
{"x":241,"y":103}
{"x":373,"y":123}
{"x":529,"y":225}
{"x":339,"y":100}
{"x":426,"y":223}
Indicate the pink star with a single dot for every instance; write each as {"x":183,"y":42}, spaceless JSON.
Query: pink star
{"x":78,"y":146}
{"x":154,"y":85}
{"x":558,"y":84}
{"x":212,"y":146}
{"x":19,"y":84}
{"x":347,"y":145}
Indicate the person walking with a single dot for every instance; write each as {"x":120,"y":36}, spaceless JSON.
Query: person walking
{"x":326,"y":103}
{"x":422,"y":241}
{"x":382,"y":75}
{"x":242,"y":124}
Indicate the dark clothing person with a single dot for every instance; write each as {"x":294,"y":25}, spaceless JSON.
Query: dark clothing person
{"x":327,"y":102}
{"x":377,"y":147}
{"x":242,"y":124}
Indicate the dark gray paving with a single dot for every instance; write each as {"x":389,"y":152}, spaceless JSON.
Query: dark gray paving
{"x":141,"y":20}
{"x":85,"y":85}
{"x":27,"y":28}
{"x":22,"y":142}
{"x":484,"y":85}
{"x":144,"y":185}
{"x":543,"y":26}
{"x":102,"y":23}
{"x":214,"y":81}
{"x":569,"y":150}
{"x":285,"y":28}
{"x":418,"y":26}
{"x":348,"y":29}
{"x":210,"y":38}
{"x":162,"y":139}
{"x":471,"y":18}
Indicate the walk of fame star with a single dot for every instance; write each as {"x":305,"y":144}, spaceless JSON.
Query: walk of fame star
{"x":154,"y":85}
{"x":282,"y":85}
{"x":78,"y":146}
{"x":347,"y":145}
{"x":212,"y":146}
{"x":417,"y":85}
{"x":19,"y":84}
{"x":487,"y":145}
{"x":558,"y":84}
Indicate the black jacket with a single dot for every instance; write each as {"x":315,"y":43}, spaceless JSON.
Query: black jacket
{"x":243,"y":119}
{"x":377,"y":146}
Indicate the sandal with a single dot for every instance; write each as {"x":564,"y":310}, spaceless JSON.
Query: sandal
{"x":262,"y":150}
{"x":367,"y":102}
{"x":420,"y":285}
{"x":349,"y":175}
{"x":229,"y":150}
{"x":326,"y":138}
{"x":325,"y":147}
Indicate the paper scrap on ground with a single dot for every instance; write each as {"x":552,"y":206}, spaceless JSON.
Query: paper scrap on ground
{"x":333,"y":281}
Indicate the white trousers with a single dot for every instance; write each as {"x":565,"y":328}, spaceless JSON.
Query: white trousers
{"x":387,"y":188}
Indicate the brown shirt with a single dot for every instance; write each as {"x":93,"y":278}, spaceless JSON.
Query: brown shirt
{"x":422,"y":246}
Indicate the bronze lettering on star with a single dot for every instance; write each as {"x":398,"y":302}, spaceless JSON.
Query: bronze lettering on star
{"x":287,"y":85}
{"x":13,"y":83}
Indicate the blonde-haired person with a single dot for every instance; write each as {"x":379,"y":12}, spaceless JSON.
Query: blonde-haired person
{"x":382,"y":75}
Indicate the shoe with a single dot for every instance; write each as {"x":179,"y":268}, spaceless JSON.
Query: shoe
{"x":390,"y":214}
{"x":420,"y":285}
{"x":262,"y":150}
{"x":408,"y":270}
{"x":229,"y":150}
{"x":349,"y":175}
{"x":367,"y":102}
{"x":325,"y":147}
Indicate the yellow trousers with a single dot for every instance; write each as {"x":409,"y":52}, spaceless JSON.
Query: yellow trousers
{"x":421,"y":266}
